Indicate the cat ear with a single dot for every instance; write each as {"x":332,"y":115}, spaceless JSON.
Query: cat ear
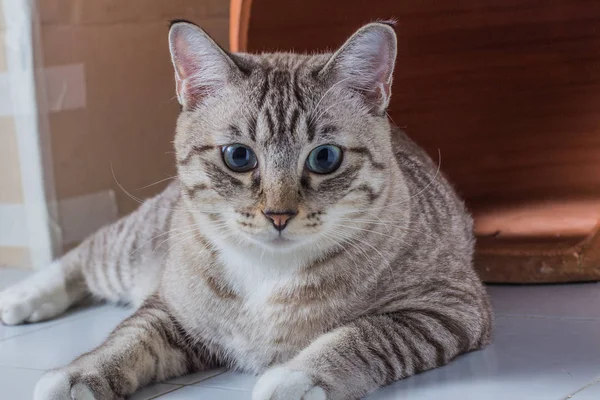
{"x":201,"y":66}
{"x":365,"y":63}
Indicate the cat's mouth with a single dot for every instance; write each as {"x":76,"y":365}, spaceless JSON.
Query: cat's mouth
{"x":277,"y":241}
{"x":281,"y":240}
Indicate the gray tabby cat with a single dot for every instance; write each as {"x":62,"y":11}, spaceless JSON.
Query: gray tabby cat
{"x":308,"y":239}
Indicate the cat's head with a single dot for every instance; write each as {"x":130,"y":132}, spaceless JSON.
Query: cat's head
{"x":283,"y":150}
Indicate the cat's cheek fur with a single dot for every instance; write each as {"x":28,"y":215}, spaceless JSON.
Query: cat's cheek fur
{"x":284,"y":383}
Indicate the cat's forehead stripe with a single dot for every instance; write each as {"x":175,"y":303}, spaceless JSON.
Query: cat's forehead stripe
{"x":235,"y":131}
{"x":264,"y":89}
{"x":281,"y":103}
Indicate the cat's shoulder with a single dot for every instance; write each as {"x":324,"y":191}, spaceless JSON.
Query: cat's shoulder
{"x":406,"y":150}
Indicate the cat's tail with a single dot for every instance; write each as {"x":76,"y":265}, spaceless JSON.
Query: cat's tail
{"x":119,"y":263}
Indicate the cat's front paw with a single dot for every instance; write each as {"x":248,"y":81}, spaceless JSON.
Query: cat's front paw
{"x":283,"y":383}
{"x":40,"y":297}
{"x":65,"y":385}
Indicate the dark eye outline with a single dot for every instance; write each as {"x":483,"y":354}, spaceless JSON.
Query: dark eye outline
{"x":334,"y":167}
{"x":230,"y":148}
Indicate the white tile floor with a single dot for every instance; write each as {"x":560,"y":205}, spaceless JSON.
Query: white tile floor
{"x":546,"y":346}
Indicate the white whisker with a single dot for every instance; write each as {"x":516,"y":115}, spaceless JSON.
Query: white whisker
{"x":157,"y":182}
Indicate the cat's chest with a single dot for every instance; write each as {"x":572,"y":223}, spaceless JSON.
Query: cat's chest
{"x":260,"y":324}
{"x":257,"y":280}
{"x":257,"y":331}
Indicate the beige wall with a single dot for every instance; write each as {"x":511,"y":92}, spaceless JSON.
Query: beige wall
{"x":11,"y":191}
{"x":10,"y":171}
{"x":130,"y":110}
{"x":109,"y":93}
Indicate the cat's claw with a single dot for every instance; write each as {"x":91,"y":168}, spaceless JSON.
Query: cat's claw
{"x":35,"y":299}
{"x":283,"y":383}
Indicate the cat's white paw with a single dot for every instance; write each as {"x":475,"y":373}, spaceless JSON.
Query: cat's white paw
{"x":37,"y":298}
{"x":56,"y":385}
{"x":283,"y":383}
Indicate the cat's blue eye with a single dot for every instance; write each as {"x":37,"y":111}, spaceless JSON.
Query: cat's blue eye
{"x":239,"y":157}
{"x":324,"y":159}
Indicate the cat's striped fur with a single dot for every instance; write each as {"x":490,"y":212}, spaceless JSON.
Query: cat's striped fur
{"x":371,"y":282}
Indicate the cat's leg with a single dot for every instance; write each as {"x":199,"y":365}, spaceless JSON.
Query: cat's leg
{"x":375,"y":350}
{"x":44,"y":295}
{"x":147,"y":347}
{"x":118,"y":263}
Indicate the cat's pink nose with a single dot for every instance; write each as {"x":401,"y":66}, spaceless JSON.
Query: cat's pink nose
{"x":280,"y":218}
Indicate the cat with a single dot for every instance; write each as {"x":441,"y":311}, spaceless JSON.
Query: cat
{"x":306,"y":238}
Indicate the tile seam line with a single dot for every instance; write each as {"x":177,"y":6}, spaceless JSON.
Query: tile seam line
{"x":175,"y":388}
{"x":560,"y":317}
{"x":22,"y":368}
{"x":201,"y":380}
{"x":224,"y":388}
{"x":581,"y":389}
{"x":49,"y":327}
